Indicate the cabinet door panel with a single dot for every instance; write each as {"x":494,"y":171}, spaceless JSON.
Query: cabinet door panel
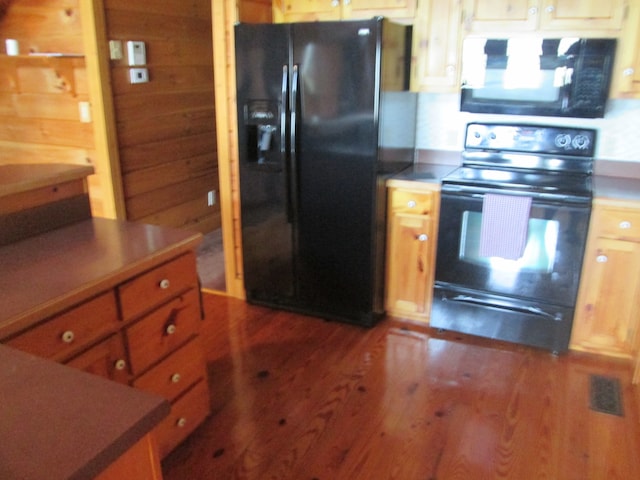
{"x":607,"y":313}
{"x":410,"y":244}
{"x":619,"y":223}
{"x":306,"y":10}
{"x":158,"y":285}
{"x":163,"y":331}
{"x":436,"y":46}
{"x":582,"y":15}
{"x":499,"y":16}
{"x":175,"y":373}
{"x":107,"y":359}
{"x":67,"y":333}
{"x":387,"y":8}
{"x":414,"y":203}
{"x":186,"y":414}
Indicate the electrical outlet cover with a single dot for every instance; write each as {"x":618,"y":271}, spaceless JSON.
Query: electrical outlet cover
{"x":138,"y":75}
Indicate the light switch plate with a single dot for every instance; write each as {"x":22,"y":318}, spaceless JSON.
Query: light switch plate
{"x":115,"y":49}
{"x":138,"y":75}
{"x":136,"y":53}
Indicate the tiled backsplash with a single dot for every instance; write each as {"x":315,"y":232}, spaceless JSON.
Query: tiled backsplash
{"x":440,"y":126}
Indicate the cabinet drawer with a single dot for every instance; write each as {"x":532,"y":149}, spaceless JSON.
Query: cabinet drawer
{"x":163,"y":330}
{"x":158,"y":285}
{"x":186,"y":414}
{"x":176,"y":373}
{"x":406,"y":201}
{"x":106,"y":359}
{"x":61,"y":336}
{"x":619,"y":223}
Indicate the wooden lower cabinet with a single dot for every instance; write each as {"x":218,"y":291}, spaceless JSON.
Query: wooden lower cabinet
{"x":411,"y":247}
{"x":607,"y":315}
{"x":144,"y":332}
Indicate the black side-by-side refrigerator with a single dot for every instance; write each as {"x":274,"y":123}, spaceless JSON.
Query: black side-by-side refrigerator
{"x":311,"y":102}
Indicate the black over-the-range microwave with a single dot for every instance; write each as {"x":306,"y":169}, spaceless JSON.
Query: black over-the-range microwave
{"x":560,"y":77}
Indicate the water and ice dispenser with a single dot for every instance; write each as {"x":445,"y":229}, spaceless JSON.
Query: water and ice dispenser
{"x":262,"y":119}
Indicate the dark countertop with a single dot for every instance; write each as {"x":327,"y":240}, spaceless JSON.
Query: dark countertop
{"x":44,"y":274}
{"x":616,"y":188}
{"x":61,"y":423}
{"x":430,"y":173}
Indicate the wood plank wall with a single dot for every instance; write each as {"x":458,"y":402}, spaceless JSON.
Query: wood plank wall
{"x":166,"y":128}
{"x":39,"y":97}
{"x":255,"y":11}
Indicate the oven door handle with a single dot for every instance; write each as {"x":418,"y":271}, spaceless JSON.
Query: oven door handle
{"x":513,"y":308}
{"x":539,"y":197}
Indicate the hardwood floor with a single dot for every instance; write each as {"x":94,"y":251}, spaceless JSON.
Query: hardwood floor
{"x":295,"y":397}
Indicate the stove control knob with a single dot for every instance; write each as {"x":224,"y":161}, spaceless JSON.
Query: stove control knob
{"x":563,"y":140}
{"x":580,"y":142}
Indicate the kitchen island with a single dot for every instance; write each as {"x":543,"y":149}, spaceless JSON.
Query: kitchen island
{"x":120,"y":300}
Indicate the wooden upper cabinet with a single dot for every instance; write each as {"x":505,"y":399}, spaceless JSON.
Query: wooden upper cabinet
{"x":306,"y":10}
{"x":582,"y":15}
{"x":590,"y":16}
{"x":386,"y":8}
{"x":436,"y":46}
{"x":626,"y":76}
{"x":313,"y":10}
{"x":485,"y":16}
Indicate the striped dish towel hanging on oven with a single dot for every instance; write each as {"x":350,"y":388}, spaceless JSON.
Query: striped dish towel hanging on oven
{"x":504,"y":227}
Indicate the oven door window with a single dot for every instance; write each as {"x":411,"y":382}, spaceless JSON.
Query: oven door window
{"x":539,"y":253}
{"x":548,"y":271}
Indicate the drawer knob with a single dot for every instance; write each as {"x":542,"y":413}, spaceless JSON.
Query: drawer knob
{"x":411,"y":204}
{"x":120,"y":364}
{"x":181,"y":422}
{"x":68,"y":336}
{"x":601,"y":259}
{"x":423,"y":237}
{"x":171,"y":329}
{"x":175,"y":378}
{"x":165,"y":283}
{"x":625,"y":225}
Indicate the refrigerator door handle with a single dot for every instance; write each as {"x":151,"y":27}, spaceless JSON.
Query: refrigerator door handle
{"x":293,"y":167}
{"x":283,"y":113}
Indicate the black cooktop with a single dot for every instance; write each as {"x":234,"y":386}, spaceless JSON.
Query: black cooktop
{"x":528,"y":182}
{"x":546,"y":161}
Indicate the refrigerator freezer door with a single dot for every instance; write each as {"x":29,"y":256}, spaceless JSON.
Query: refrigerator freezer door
{"x":262,"y":57}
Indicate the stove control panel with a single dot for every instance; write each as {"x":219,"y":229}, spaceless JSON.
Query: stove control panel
{"x":538,"y":139}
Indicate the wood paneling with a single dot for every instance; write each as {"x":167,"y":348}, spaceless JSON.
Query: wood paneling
{"x":163,"y":173}
{"x":39,"y":96}
{"x":39,"y":118}
{"x":255,"y":11}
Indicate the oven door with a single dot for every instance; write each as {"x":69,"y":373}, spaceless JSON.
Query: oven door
{"x":530,"y":300}
{"x":549,"y":269}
